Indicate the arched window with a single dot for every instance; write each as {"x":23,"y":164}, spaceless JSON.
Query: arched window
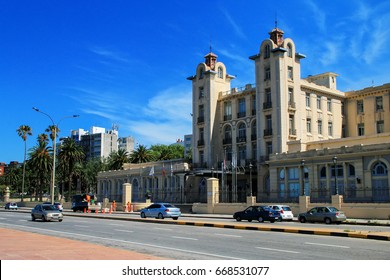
{"x":379,"y":169}
{"x":253,"y":130}
{"x":289,"y":50}
{"x":228,"y":132}
{"x":323,"y":172}
{"x":201,"y":73}
{"x":220,"y":72}
{"x":380,"y":185}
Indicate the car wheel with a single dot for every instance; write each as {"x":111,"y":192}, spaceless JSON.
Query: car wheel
{"x":143,"y":215}
{"x":249,"y":220}
{"x":175,"y":218}
{"x":160,"y":216}
{"x":302,"y":219}
{"x":273,"y":221}
{"x":44,"y":218}
{"x":238,"y":219}
{"x":60,"y":220}
{"x":328,"y":221}
{"x":32,"y":218}
{"x":280,"y":219}
{"x":261,"y":219}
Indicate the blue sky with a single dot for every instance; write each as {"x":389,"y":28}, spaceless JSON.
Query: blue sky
{"x":126,"y":62}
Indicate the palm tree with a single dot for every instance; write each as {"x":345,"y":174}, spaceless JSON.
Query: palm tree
{"x":54,"y":130}
{"x":24,"y":131}
{"x":70,"y":155}
{"x":117,"y":158}
{"x":43,"y":138}
{"x":40,"y":160}
{"x":90,"y":169}
{"x":141,"y":154}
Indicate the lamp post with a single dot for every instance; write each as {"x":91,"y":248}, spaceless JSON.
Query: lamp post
{"x":212,"y":172}
{"x":250,"y":178}
{"x":53,"y":176}
{"x":335,"y":174}
{"x":303,"y":176}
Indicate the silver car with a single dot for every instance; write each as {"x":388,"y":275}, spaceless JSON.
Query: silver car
{"x":326,"y":214}
{"x":161,"y":211}
{"x":46,"y":212}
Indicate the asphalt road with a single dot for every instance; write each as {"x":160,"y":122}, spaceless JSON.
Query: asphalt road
{"x":202,"y":243}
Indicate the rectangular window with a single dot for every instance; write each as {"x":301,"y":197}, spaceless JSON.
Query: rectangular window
{"x":201,"y":92}
{"x":292,"y":125}
{"x":308,"y":100}
{"x":291,"y":98}
{"x":241,"y":108}
{"x":269,"y":148}
{"x":380,"y":126}
{"x":293,"y":173}
{"x":308,"y":125}
{"x":269,"y":122}
{"x":241,"y":153}
{"x":379,"y":103}
{"x":267,"y":74}
{"x":319,"y":102}
{"x":290,"y":73}
{"x":254,"y":151}
{"x":359,"y":106}
{"x":330,"y":129}
{"x":254,"y":105}
{"x":319,"y":127}
{"x":360,"y":129}
{"x":329,"y":102}
{"x":228,"y":111}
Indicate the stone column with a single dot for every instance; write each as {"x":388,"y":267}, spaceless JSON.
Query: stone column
{"x":6,"y":194}
{"x":304,"y":202}
{"x":337,"y":201}
{"x":212,"y":194}
{"x":126,"y":194}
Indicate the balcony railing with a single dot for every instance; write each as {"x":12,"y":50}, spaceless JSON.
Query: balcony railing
{"x":227,"y":117}
{"x":268,"y":132}
{"x":254,"y":137}
{"x":227,"y":141}
{"x":241,"y":139}
{"x":201,"y":119}
{"x":241,"y":114}
{"x":200,"y":142}
{"x":267,"y":105}
{"x":292,"y":131}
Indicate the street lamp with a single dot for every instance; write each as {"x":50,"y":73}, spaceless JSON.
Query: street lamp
{"x":335,"y":174}
{"x":250,"y":178}
{"x":53,"y":176}
{"x":303,"y":177}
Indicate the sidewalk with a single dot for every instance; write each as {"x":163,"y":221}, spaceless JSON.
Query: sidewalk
{"x":20,"y":245}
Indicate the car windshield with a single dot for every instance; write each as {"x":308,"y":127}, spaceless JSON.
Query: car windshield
{"x":167,"y":205}
{"x":48,"y":207}
{"x":286,"y":208}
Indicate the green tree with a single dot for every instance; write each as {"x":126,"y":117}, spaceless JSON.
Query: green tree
{"x":164,"y":152}
{"x":141,"y":154}
{"x":40,"y":160}
{"x":91,"y":168}
{"x":70,"y":155}
{"x":43,"y":138}
{"x":24,"y":131}
{"x":117,"y":158}
{"x":54,"y":130}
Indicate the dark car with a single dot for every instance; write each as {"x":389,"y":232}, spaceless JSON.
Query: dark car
{"x":161,"y":211}
{"x":259,"y":213}
{"x":324,"y":214}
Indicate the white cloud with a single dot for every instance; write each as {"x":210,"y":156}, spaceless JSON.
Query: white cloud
{"x":236,"y":28}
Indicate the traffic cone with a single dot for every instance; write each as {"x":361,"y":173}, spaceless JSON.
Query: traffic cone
{"x":103,"y":210}
{"x":85,"y":210}
{"x":96,"y":211}
{"x":111,"y":209}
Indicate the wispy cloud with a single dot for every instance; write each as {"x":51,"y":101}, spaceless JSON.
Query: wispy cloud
{"x":109,"y":54}
{"x":318,"y":14}
{"x":236,"y":28}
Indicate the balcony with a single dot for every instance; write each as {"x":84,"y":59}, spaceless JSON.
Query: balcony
{"x":292,"y":105}
{"x":241,"y":115}
{"x":254,"y":112}
{"x":227,"y":118}
{"x":267,"y":105}
{"x":200,"y":119}
{"x":201,"y":143}
{"x":253,"y":137}
{"x":292,"y":131}
{"x":268,"y":132}
{"x":227,"y":141}
{"x":241,"y":139}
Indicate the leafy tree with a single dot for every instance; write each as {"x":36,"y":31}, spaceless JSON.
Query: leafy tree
{"x":141,"y":154}
{"x":117,"y":158}
{"x":91,"y":168}
{"x":40,"y":160}
{"x":69,"y":156}
{"x":164,"y":152}
{"x":43,"y":138}
{"x":54,"y":130}
{"x":24,"y":131}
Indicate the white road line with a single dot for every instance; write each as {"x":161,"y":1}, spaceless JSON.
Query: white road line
{"x":228,"y":235}
{"x":186,"y":238}
{"x":83,"y":226}
{"x":123,"y":230}
{"x":116,"y":225}
{"x":327,"y":245}
{"x":277,"y":250}
{"x":167,"y":229}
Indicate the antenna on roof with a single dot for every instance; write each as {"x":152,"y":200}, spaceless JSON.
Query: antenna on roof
{"x":210,"y":45}
{"x":276,"y":19}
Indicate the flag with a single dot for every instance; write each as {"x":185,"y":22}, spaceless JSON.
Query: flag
{"x":151,"y":173}
{"x":171,"y":170}
{"x":163,"y":170}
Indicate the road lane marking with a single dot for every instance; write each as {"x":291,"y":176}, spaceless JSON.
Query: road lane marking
{"x":327,"y":245}
{"x":167,"y":229}
{"x":277,"y":250}
{"x":123,"y":230}
{"x":186,"y":238}
{"x":83,"y":226}
{"x":116,"y":225}
{"x":228,"y":235}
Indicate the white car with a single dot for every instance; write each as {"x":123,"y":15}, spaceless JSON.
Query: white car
{"x":285,"y":212}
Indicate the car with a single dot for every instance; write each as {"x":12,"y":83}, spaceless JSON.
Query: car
{"x":326,"y":214}
{"x":285,"y":212}
{"x":58,"y":205}
{"x":46,"y":212}
{"x":161,"y":211}
{"x":259,"y":213}
{"x":11,"y":206}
